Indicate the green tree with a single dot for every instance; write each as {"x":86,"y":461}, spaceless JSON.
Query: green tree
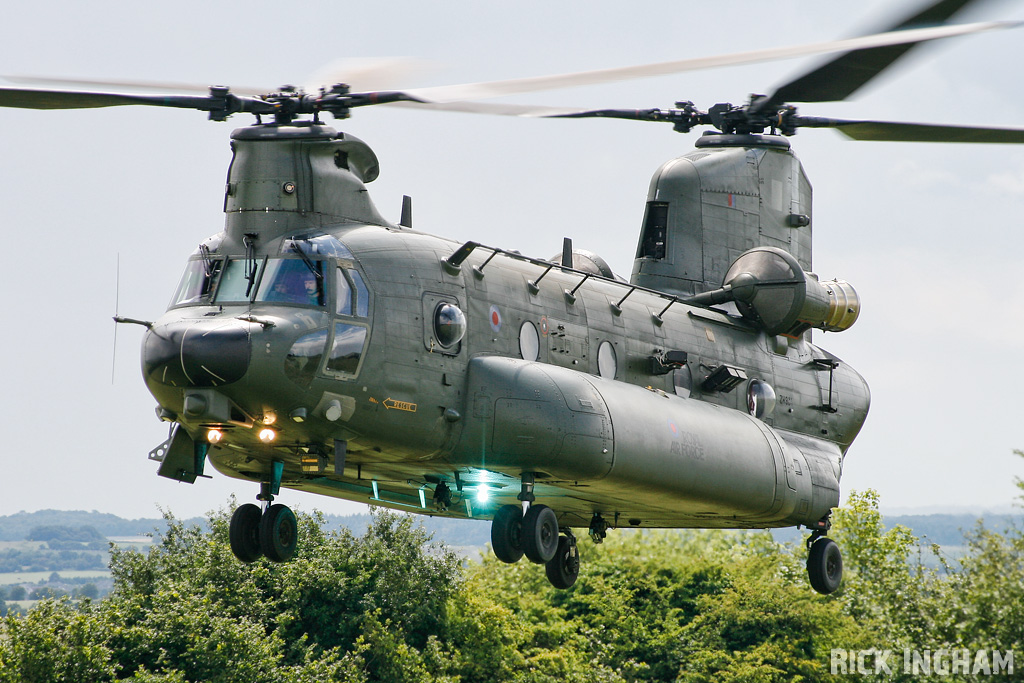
{"x":55,"y":642}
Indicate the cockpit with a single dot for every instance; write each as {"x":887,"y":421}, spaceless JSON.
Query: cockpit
{"x":316,"y":272}
{"x":299,"y":276}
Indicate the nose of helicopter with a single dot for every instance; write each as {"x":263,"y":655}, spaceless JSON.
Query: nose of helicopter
{"x":196,"y":353}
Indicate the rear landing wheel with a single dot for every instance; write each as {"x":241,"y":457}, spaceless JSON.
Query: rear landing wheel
{"x":825,"y":566}
{"x":564,"y":567}
{"x":244,"y":532}
{"x":507,"y":533}
{"x":279,"y":533}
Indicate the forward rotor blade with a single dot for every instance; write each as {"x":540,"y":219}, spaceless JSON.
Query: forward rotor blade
{"x":34,"y":98}
{"x":114,"y":84}
{"x":893,"y":131}
{"x":842,"y":76}
{"x":478,"y":91}
{"x":361,"y":75}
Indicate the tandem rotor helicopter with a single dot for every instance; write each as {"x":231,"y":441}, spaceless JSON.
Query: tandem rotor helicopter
{"x":314,"y":345}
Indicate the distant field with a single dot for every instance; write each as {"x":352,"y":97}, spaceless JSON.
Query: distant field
{"x":11,"y":578}
{"x":22,"y":545}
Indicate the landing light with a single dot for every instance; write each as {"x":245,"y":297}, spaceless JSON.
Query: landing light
{"x":483,"y":493}
{"x":267,"y":435}
{"x":214,"y":436}
{"x":269,"y":417}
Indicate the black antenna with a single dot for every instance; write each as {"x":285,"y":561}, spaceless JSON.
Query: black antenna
{"x":406,"y":220}
{"x":117,"y":311}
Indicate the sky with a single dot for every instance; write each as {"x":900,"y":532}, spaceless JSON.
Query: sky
{"x":99,"y":209}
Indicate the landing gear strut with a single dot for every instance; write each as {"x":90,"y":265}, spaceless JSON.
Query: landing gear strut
{"x":824,"y":561}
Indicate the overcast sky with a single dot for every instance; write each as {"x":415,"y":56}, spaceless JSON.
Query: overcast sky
{"x":930,"y":235}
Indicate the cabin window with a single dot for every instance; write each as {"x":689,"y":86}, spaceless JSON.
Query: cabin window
{"x":607,"y":364}
{"x":529,"y":342}
{"x":655,"y":230}
{"x":760,"y":399}
{"x":682,"y":381}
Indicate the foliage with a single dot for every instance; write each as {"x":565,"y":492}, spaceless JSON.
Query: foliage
{"x":391,"y":605}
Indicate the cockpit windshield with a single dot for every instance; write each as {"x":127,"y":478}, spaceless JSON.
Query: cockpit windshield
{"x":297,"y":280}
{"x":276,"y":280}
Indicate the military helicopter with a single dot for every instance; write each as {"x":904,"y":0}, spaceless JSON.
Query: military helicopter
{"x":314,"y":345}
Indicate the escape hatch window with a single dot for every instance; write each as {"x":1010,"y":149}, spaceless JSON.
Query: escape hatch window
{"x":346,"y":350}
{"x":652,"y":244}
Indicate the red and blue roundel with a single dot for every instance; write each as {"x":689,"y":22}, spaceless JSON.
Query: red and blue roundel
{"x":494,"y":317}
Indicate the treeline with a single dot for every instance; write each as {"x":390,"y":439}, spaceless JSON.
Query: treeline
{"x":390,"y":605}
{"x":20,"y":526}
{"x":57,"y":526}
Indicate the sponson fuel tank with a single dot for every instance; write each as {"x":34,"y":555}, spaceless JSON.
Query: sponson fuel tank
{"x":708,"y":460}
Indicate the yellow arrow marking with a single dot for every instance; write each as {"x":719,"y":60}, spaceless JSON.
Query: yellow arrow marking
{"x":390,"y":403}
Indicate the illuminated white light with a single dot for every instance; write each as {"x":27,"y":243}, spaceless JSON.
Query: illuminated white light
{"x":482,"y":494}
{"x":214,"y":436}
{"x":269,"y":417}
{"x":267,"y":435}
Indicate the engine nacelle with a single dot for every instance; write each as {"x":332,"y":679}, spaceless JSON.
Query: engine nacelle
{"x":772,"y":290}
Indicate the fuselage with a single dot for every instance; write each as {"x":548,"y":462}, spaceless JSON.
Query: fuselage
{"x":609,"y":394}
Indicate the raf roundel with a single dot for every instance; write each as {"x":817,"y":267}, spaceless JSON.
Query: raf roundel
{"x":494,"y":316}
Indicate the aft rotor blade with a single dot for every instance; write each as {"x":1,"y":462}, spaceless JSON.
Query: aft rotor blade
{"x":842,"y":76}
{"x":894,"y":131}
{"x":83,"y":85}
{"x":478,"y":91}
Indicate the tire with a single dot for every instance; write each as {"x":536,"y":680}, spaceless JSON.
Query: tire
{"x":825,"y":566}
{"x":244,"y":532}
{"x":564,"y":567}
{"x":507,"y":533}
{"x":540,"y":534}
{"x":279,"y":533}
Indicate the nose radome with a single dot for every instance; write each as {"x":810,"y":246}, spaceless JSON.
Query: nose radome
{"x":192,"y":353}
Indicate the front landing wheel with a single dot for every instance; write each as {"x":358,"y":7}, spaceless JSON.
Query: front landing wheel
{"x":507,"y":533}
{"x":279,"y":533}
{"x":825,"y":566}
{"x":244,"y":532}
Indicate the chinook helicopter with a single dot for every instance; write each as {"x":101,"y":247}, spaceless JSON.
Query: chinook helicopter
{"x":314,"y":345}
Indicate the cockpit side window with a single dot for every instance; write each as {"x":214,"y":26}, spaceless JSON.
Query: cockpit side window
{"x":353,"y":298}
{"x":196,"y":282}
{"x":344,"y":293}
{"x":292,"y":281}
